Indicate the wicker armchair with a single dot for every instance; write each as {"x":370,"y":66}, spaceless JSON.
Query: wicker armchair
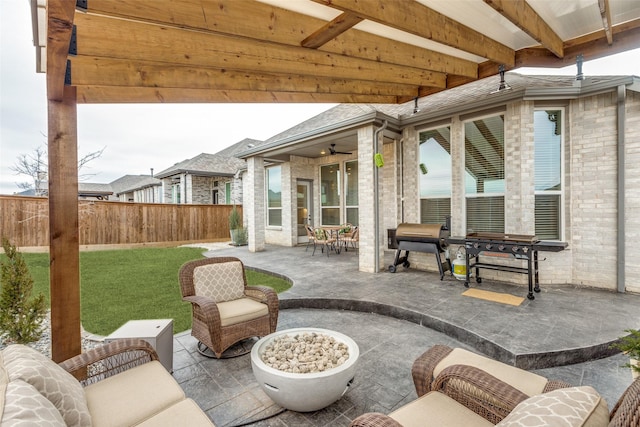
{"x":108,"y":360}
{"x":457,"y":370}
{"x":626,"y":413}
{"x":438,"y":408}
{"x":481,"y":392}
{"x":224,"y":309}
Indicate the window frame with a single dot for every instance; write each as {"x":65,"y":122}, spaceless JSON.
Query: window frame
{"x":561,"y":192}
{"x":355,"y":207}
{"x":484,"y":195}
{"x":269,"y":208}
{"x":418,"y":172}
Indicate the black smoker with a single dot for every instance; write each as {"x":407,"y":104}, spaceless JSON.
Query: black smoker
{"x":430,"y":238}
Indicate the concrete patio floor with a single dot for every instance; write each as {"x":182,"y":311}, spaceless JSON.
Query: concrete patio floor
{"x":563,"y":334}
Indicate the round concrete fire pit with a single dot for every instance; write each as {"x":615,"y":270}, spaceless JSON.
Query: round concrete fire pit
{"x":304,"y":392}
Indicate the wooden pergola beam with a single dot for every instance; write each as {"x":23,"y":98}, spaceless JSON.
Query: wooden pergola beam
{"x":64,"y":243}
{"x":110,"y":37}
{"x":592,"y":46}
{"x":60,"y":14}
{"x":277,"y":25}
{"x":415,"y":18}
{"x":331,"y":30}
{"x":122,"y":95}
{"x":64,"y":249}
{"x":605,"y":13}
{"x":94,"y":71}
{"x":527,"y":19}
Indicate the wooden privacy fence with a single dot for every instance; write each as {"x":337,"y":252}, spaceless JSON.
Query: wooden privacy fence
{"x":25,"y":222}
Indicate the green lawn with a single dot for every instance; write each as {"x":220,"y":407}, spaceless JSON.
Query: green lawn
{"x":120,"y":285}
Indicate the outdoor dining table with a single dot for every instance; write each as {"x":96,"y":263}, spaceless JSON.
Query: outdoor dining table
{"x":334,"y":231}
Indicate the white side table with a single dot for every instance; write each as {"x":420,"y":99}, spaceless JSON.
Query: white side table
{"x":157,"y":332}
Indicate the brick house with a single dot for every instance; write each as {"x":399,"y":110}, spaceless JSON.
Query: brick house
{"x":552,"y":156}
{"x":138,"y":188}
{"x":206,"y":178}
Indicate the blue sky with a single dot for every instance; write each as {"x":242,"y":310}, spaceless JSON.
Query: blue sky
{"x":139,"y":137}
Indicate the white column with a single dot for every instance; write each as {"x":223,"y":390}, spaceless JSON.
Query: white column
{"x":254,"y":204}
{"x":366,"y":203}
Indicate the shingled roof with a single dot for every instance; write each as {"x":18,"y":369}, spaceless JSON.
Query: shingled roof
{"x":481,"y":94}
{"x":130,"y":183}
{"x":205,"y":164}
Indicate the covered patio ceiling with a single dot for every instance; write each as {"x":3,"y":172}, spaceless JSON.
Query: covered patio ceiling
{"x":342,"y":51}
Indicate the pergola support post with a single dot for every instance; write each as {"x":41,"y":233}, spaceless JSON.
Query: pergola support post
{"x":64,"y":249}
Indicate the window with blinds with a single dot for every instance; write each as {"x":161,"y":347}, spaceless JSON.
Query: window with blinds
{"x":484,"y":174}
{"x":435,"y":175}
{"x":274,"y":196}
{"x":548,"y":173}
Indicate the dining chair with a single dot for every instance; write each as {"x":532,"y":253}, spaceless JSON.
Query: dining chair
{"x":351,"y":238}
{"x":324,"y":240}
{"x":311,"y":236}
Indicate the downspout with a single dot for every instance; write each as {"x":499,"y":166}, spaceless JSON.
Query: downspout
{"x":376,"y":214}
{"x":401,"y":168}
{"x":622,"y":93}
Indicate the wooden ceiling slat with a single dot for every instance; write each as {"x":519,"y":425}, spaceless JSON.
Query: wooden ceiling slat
{"x":331,"y":30}
{"x":123,"y":95}
{"x":415,"y":18}
{"x":521,"y":14}
{"x":269,"y":23}
{"x":117,"y":38}
{"x":93,"y":71}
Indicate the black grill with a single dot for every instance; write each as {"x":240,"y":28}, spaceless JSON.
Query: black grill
{"x":505,"y":246}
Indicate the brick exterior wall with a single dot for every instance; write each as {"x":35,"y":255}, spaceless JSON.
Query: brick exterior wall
{"x":590,"y":190}
{"x":366,"y":201}
{"x":254,"y":208}
{"x":632,"y":191}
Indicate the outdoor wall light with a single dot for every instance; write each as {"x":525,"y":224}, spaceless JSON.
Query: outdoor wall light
{"x":416,"y":110}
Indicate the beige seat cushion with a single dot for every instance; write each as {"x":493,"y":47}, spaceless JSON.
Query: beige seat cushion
{"x":241,"y":310}
{"x":525,"y":381}
{"x":437,"y":410}
{"x":184,"y":413}
{"x":22,"y":405}
{"x":220,"y":281}
{"x":132,"y":396}
{"x":565,"y":407}
{"x":51,"y":381}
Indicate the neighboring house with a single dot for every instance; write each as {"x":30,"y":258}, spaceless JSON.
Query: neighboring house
{"x":86,"y":191}
{"x":90,"y":190}
{"x":206,"y":178}
{"x":138,"y":188}
{"x":550,"y":156}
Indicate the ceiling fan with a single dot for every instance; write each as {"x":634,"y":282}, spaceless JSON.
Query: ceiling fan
{"x":333,"y":151}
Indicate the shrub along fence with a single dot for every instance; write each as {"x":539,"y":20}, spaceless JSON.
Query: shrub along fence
{"x":25,"y":222}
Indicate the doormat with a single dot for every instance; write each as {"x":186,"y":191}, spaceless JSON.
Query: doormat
{"x":493,"y":296}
